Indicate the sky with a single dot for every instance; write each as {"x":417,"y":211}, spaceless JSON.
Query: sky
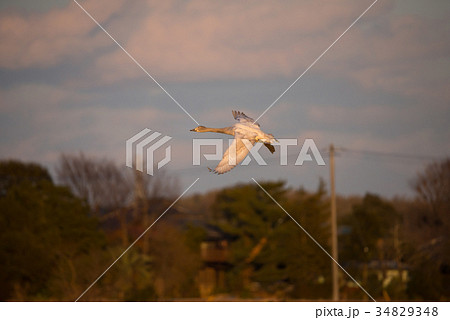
{"x":380,"y":94}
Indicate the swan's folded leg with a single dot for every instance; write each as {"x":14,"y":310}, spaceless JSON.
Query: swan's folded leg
{"x":270,"y":147}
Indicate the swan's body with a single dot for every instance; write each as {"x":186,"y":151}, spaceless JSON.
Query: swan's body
{"x":246,"y":133}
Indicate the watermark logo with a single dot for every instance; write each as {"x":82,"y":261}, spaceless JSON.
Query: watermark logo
{"x":142,"y":141}
{"x":308,"y":148}
{"x":141,"y":148}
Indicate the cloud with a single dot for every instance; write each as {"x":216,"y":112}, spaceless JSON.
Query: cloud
{"x":403,"y":54}
{"x":396,"y":61}
{"x":207,"y":41}
{"x":229,"y":40}
{"x":39,"y":40}
{"x":41,"y":124}
{"x":212,"y":40}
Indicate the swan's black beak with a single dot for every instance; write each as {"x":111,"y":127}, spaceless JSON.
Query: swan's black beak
{"x":192,"y":129}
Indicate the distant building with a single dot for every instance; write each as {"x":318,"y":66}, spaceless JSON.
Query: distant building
{"x":214,"y":252}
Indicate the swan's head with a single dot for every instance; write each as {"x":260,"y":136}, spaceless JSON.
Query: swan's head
{"x":199,"y":129}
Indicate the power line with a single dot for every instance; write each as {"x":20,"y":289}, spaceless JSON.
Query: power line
{"x":388,"y":154}
{"x":343,"y":151}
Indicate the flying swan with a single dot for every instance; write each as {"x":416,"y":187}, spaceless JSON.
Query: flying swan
{"x":246,"y":133}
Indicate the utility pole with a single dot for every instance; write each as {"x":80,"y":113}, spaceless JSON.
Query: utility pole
{"x":141,"y":203}
{"x":334,"y":240}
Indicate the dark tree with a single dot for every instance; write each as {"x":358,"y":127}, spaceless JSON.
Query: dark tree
{"x":371,"y":238}
{"x":429,"y":233}
{"x":41,"y":225}
{"x":270,"y":253}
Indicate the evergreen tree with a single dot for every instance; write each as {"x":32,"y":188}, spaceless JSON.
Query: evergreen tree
{"x":41,"y":227}
{"x":270,"y":253}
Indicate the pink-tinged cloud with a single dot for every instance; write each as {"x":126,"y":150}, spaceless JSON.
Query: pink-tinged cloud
{"x":45,"y":39}
{"x":214,"y":40}
{"x":43,"y":126}
{"x":404,"y":54}
{"x":201,"y":41}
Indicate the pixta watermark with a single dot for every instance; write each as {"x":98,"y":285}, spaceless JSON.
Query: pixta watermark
{"x":146,"y":141}
{"x":308,"y":148}
{"x":141,"y":148}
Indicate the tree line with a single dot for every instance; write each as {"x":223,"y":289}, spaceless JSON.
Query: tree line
{"x":58,"y":234}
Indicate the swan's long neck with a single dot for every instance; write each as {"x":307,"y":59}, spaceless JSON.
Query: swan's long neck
{"x":226,"y":130}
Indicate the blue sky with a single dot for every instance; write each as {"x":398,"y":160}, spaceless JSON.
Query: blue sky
{"x":67,"y":87}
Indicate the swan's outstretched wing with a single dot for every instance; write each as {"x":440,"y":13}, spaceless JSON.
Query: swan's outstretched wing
{"x":241,"y":117}
{"x":235,"y":153}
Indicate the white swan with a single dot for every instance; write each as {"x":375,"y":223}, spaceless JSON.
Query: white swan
{"x":246,"y":133}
